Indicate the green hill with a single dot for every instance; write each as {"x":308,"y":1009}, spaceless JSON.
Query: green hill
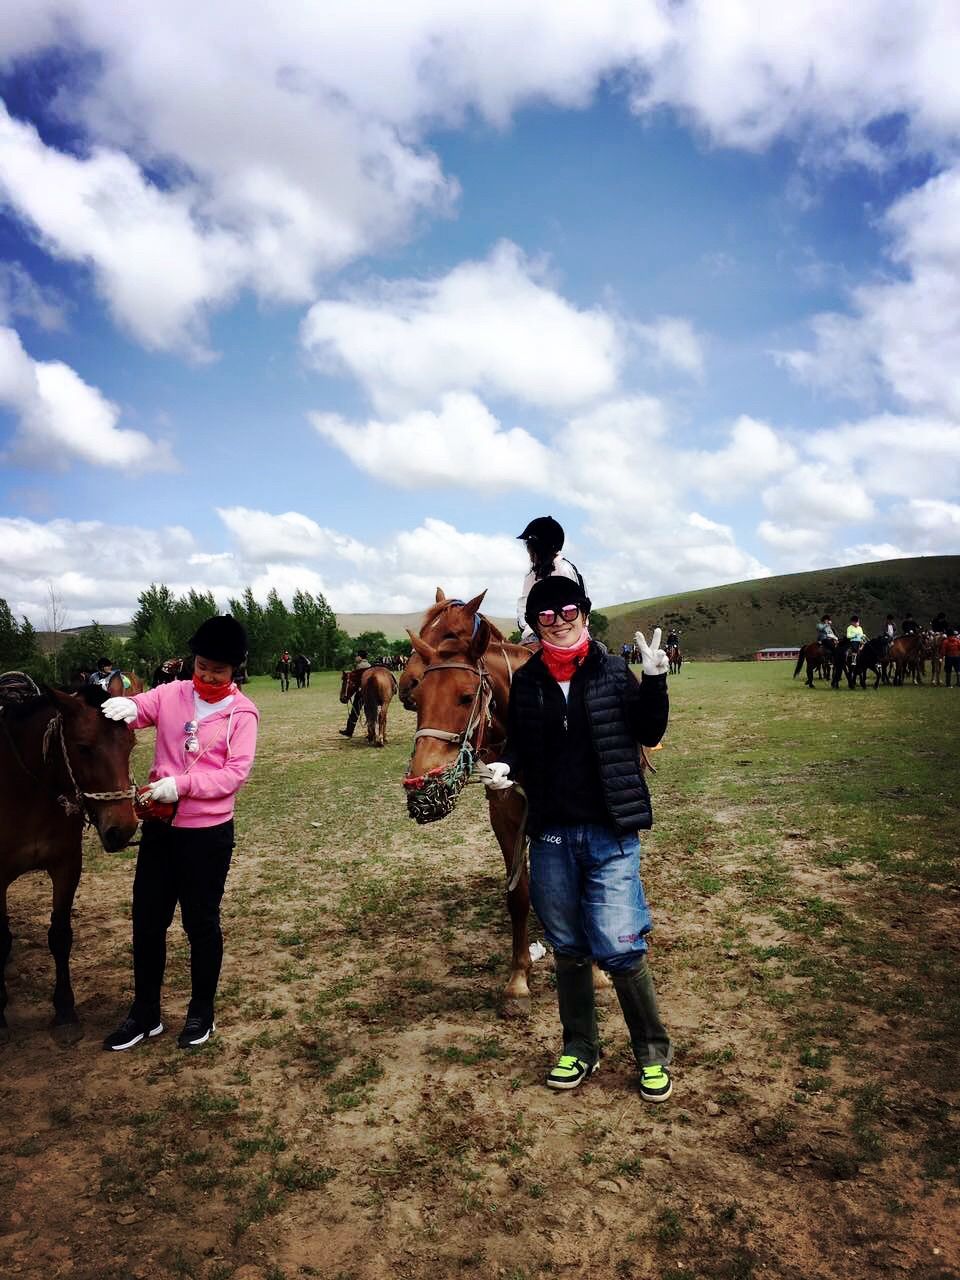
{"x":735,"y":620}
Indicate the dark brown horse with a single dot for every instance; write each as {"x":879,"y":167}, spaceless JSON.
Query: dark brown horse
{"x":460,"y":673}
{"x":674,"y":658}
{"x":377,"y":687}
{"x":117,"y":689}
{"x":819,"y":659}
{"x":62,"y":764}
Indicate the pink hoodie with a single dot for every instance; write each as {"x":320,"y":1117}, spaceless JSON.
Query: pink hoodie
{"x":209,"y":779}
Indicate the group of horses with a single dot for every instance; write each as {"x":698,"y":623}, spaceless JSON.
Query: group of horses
{"x":888,"y":661}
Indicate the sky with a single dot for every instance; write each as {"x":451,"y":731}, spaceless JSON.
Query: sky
{"x":337,"y":297}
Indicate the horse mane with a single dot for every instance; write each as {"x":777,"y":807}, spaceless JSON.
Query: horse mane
{"x":24,"y":708}
{"x":435,"y":610}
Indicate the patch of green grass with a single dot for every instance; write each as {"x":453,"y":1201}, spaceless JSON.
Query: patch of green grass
{"x":351,"y":1089}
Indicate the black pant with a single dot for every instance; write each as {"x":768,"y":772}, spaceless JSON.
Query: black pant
{"x":188,"y":865}
{"x":356,"y":706}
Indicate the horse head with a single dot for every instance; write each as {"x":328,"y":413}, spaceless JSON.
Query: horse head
{"x":94,"y":754}
{"x":349,"y":684}
{"x":447,"y":623}
{"x":450,"y":692}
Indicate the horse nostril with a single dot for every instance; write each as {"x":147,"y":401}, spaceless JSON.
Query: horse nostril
{"x":114,"y":838}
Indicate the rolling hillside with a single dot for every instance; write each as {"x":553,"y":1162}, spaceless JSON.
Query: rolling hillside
{"x":735,"y":620}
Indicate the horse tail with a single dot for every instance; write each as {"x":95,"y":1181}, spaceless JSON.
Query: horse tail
{"x":800,"y":659}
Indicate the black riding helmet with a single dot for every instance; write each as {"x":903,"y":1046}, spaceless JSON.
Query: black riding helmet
{"x":220,"y":639}
{"x":553,"y":593}
{"x":545,"y":532}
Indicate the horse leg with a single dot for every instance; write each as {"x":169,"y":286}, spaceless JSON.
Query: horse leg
{"x":809,"y":673}
{"x":6,"y":945}
{"x":382,"y":727}
{"x":506,"y":818}
{"x":65,"y":876}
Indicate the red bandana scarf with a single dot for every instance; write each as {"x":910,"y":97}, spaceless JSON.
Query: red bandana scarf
{"x":561,"y":662}
{"x":213,"y":692}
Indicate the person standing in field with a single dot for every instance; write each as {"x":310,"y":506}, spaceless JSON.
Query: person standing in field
{"x":360,"y":663}
{"x":950,"y":652}
{"x":544,"y":539}
{"x":576,"y":717}
{"x":206,"y":742}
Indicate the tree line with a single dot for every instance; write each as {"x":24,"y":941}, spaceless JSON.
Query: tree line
{"x":163,"y":623}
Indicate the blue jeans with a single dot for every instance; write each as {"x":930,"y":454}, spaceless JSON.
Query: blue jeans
{"x":585,"y":887}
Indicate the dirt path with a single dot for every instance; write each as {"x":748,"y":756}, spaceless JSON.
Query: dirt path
{"x":365,"y":1113}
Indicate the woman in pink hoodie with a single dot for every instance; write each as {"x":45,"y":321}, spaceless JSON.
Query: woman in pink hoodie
{"x":206,"y":740}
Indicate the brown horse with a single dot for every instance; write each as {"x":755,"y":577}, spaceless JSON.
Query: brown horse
{"x":62,"y":764}
{"x":458,"y":681}
{"x":907,"y":654}
{"x":377,"y":687}
{"x":117,"y":689}
{"x":819,"y":659}
{"x":173,"y":669}
{"x":674,"y":658}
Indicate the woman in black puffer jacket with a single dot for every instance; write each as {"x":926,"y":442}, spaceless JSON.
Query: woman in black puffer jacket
{"x":576,"y":720}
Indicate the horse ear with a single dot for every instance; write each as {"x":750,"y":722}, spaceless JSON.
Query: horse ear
{"x":473,"y":605}
{"x":440,"y":596}
{"x":426,"y":651}
{"x":481,"y":641}
{"x":68,"y":702}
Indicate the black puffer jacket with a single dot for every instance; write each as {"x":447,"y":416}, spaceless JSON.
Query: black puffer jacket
{"x":577,"y":758}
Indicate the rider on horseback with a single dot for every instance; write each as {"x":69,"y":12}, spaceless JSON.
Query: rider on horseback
{"x":544,"y":539}
{"x":855,"y":636}
{"x":826,"y":636}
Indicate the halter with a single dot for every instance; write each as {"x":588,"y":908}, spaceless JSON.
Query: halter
{"x":433,"y":795}
{"x":78,"y":804}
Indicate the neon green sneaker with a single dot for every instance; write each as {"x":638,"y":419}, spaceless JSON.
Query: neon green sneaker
{"x":655,"y":1084}
{"x":569,"y":1072}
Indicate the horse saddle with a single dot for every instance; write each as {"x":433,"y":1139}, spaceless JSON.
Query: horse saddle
{"x":17,"y":687}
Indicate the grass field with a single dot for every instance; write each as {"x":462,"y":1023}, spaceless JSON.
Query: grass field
{"x":365,"y":1113}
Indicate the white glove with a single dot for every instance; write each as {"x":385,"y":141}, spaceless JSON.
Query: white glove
{"x":496,"y":776}
{"x":120,"y":709}
{"x":164,"y":790}
{"x":655,"y":661}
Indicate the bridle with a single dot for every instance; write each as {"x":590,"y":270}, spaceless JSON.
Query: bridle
{"x":432,"y":795}
{"x":78,"y":804}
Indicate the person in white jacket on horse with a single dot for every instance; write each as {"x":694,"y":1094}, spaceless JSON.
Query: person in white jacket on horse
{"x":544,"y":541}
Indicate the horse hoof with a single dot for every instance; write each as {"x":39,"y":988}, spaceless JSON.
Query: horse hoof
{"x":512,"y":1007}
{"x":66,"y":1033}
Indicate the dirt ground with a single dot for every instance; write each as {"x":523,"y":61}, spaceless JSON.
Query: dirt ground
{"x":365,"y":1113}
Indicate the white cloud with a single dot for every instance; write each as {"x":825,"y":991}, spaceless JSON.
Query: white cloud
{"x":749,"y":72}
{"x":494,"y":326}
{"x":674,"y":342}
{"x":262,"y":537}
{"x":291,"y":147}
{"x":816,"y":493}
{"x":927,"y":526}
{"x":21,"y":296}
{"x":900,"y":455}
{"x":462,"y":444}
{"x":902,"y":335}
{"x":61,"y":418}
{"x":754,"y":454}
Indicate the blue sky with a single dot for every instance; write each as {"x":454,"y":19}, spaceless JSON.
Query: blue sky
{"x":320,"y":309}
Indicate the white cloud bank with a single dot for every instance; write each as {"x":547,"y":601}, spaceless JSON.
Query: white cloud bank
{"x":496,"y":327}
{"x":61,"y":419}
{"x":262,"y":155}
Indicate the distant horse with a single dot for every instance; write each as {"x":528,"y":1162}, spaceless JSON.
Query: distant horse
{"x":873,"y":657}
{"x":376,"y":686}
{"x":819,"y":660}
{"x":116,"y":688}
{"x":62,"y":764}
{"x":906,"y":655}
{"x":282,"y":672}
{"x":675,"y":658}
{"x":300,"y":665}
{"x":930,"y":648}
{"x":173,"y":669}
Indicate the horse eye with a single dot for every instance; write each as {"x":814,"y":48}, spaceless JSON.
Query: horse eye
{"x":466,"y":697}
